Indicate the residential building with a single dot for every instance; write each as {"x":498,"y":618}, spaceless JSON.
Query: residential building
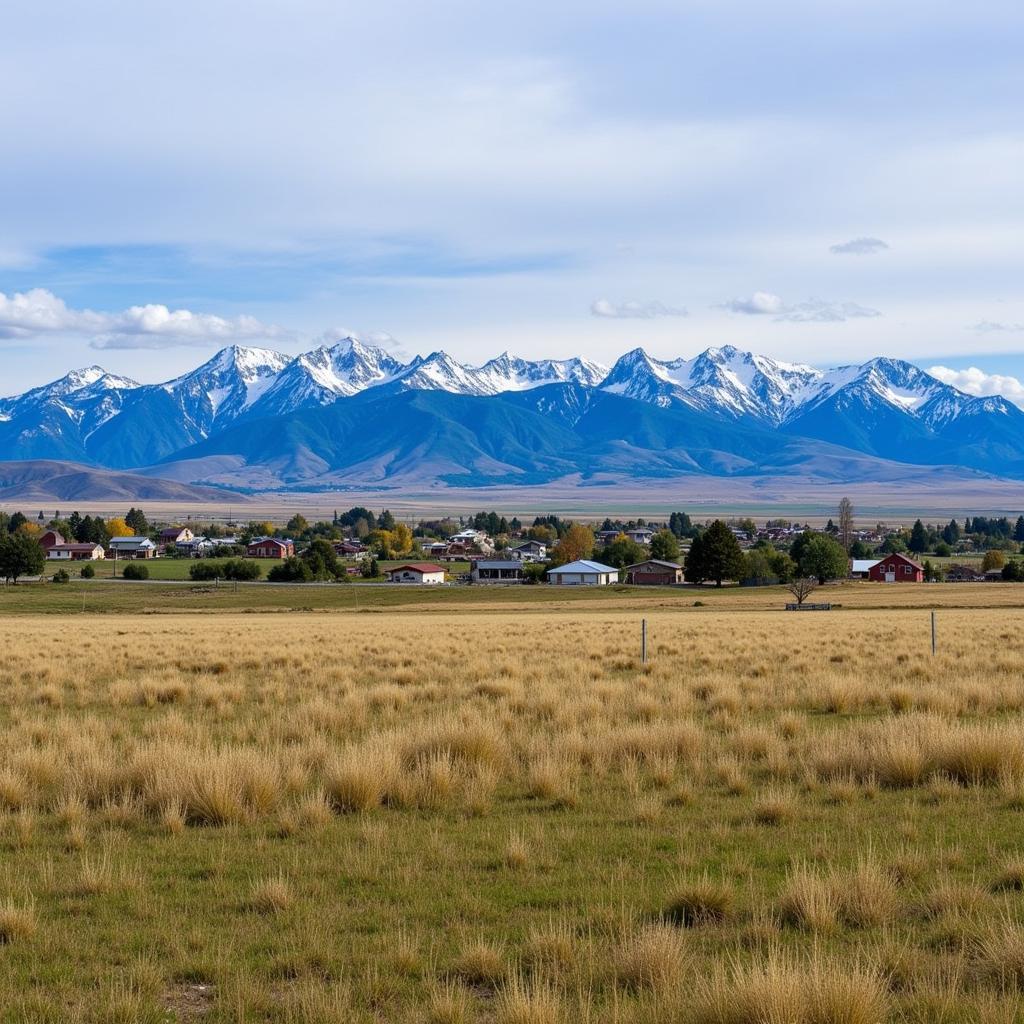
{"x":583,"y":573}
{"x":416,"y":572}
{"x":654,"y":572}
{"x":530,"y":551}
{"x":176,"y":535}
{"x":497,"y":571}
{"x":74,"y":552}
{"x":131,"y":547}
{"x":270,"y":547}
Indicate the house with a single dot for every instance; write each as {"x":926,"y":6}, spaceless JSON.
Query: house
{"x":583,"y":573}
{"x":270,"y":547}
{"x":860,"y":568}
{"x":51,"y":539}
{"x":530,"y":551}
{"x":495,"y":571}
{"x":437,"y":548}
{"x":176,"y":535}
{"x":654,"y":572}
{"x":896,"y":568}
{"x":993,"y":576}
{"x":131,"y":547}
{"x":196,"y":547}
{"x":640,"y":535}
{"x":75,"y":552}
{"x":349,"y":548}
{"x":964,"y":574}
{"x":416,"y":572}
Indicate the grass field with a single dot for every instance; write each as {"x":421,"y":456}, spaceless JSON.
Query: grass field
{"x":483,"y":807}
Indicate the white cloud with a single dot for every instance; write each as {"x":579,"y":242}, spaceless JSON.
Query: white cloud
{"x":759,"y":304}
{"x":973,"y":381}
{"x":38,"y":312}
{"x":994,"y":327}
{"x":633,"y":310}
{"x":811,"y":311}
{"x":822,"y":311}
{"x":859,"y":247}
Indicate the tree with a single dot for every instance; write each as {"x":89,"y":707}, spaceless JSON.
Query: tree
{"x":20,"y":555}
{"x":88,"y":571}
{"x":758,"y":566}
{"x":621,"y":552}
{"x":291,"y":570}
{"x":665,"y":546}
{"x":369,"y":570}
{"x":994,"y":559}
{"x":1013,"y":571}
{"x":137,"y":520}
{"x":893,"y":544}
{"x":62,"y":576}
{"x":918,"y":538}
{"x":719,"y":555}
{"x":858,"y":549}
{"x":1018,"y":529}
{"x":578,"y":542}
{"x":322,"y":560}
{"x":386,"y":521}
{"x":16,"y":521}
{"x":943,"y":550}
{"x":118,"y":528}
{"x":951,"y":532}
{"x":846,"y":523}
{"x":135,"y":571}
{"x":824,"y":559}
{"x":802,"y":587}
{"x":297,"y":525}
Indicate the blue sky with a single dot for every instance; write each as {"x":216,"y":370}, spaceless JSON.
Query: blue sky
{"x":817,"y":182}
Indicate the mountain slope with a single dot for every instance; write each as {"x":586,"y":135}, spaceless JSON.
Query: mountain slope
{"x":49,"y":481}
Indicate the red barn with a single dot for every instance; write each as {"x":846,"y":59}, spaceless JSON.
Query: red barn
{"x":896,"y":569}
{"x":51,"y":539}
{"x":270,"y":547}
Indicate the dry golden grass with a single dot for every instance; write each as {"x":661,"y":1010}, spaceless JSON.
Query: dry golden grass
{"x":472,"y":818}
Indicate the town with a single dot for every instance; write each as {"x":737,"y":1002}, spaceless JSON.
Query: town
{"x":490,"y":549}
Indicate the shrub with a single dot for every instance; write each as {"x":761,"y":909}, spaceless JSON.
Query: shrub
{"x":243,"y":569}
{"x":291,"y":570}
{"x":88,"y":572}
{"x":61,"y":576}
{"x":204,"y":570}
{"x":133,"y":571}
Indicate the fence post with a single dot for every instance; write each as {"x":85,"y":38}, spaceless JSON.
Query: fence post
{"x":643,"y":641}
{"x":933,"y":632}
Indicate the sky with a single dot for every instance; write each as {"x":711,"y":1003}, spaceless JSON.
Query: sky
{"x":817,"y":182}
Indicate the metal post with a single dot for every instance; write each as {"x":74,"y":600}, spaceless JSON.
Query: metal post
{"x":933,"y":632}
{"x":643,"y":641}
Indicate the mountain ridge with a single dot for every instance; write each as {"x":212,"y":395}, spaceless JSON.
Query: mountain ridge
{"x":754,"y":408}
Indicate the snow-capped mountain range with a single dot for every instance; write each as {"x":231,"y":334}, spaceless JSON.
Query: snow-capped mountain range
{"x":884,"y":407}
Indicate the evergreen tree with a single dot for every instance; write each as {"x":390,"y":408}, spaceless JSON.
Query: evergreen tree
{"x":918,"y":538}
{"x":16,"y":521}
{"x":1018,"y":530}
{"x":386,"y":521}
{"x":137,"y":520}
{"x":74,"y":524}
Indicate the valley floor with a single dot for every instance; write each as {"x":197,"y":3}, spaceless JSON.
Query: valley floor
{"x":476,"y":805}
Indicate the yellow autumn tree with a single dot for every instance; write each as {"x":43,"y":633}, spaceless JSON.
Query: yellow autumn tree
{"x":117,"y":527}
{"x":577,"y":543}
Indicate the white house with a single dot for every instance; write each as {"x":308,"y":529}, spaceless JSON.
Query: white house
{"x":132,"y":547}
{"x":585,"y":573}
{"x":416,"y":572}
{"x":531,"y":551}
{"x":74,"y":552}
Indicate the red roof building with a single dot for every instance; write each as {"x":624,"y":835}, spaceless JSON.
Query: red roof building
{"x":51,"y":539}
{"x":896,"y":568}
{"x":270,"y":547}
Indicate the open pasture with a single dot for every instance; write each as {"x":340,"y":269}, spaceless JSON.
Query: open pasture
{"x":449,"y":815}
